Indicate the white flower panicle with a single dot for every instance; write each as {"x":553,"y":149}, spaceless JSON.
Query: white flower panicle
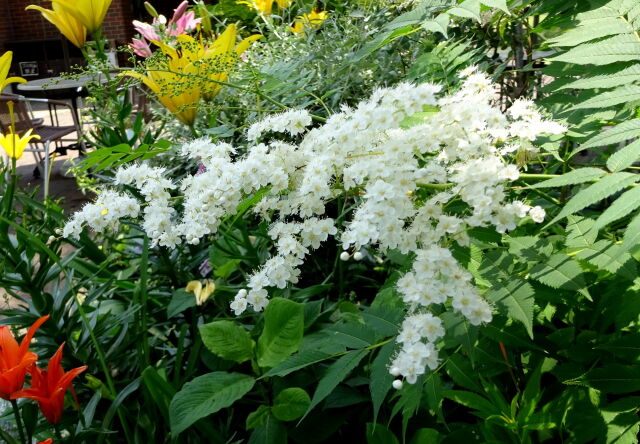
{"x":293,"y":122}
{"x":401,"y":175}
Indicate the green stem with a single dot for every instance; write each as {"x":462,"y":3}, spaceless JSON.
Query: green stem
{"x":144,"y":276}
{"x":103,"y":364}
{"x":56,"y":429}
{"x":16,"y":412}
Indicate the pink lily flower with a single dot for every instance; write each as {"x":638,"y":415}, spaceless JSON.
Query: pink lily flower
{"x":146,"y":30}
{"x":186,"y":23}
{"x":141,"y":47}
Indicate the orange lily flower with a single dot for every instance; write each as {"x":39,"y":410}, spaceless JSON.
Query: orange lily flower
{"x":49,"y":386}
{"x":14,"y":359}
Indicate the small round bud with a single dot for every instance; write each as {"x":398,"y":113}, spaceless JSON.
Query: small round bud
{"x":397,"y":384}
{"x":358,"y":256}
{"x":395,"y":371}
{"x":344,"y":256}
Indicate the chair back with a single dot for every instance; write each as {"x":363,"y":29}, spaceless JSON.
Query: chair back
{"x":21,"y":114}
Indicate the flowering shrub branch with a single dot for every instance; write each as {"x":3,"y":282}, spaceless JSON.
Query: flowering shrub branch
{"x":378,"y":155}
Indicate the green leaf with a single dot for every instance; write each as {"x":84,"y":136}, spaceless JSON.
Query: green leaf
{"x":205,"y":395}
{"x":623,"y":429}
{"x":591,"y":29}
{"x":380,"y":379}
{"x":632,"y":234}
{"x":351,"y":335}
{"x":271,"y":431}
{"x":290,"y":404}
{"x":384,"y":320}
{"x":282,"y":334}
{"x":612,"y":378}
{"x":619,"y":133}
{"x":580,"y":175}
{"x":561,"y":271}
{"x":461,"y":372}
{"x":425,"y":436}
{"x":467,"y":9}
{"x":619,"y":48}
{"x":624,"y":158}
{"x":516,"y":297}
{"x":624,"y":94}
{"x":180,"y":301}
{"x":500,"y":4}
{"x":335,"y":374}
{"x":621,"y":207}
{"x":605,"y":187}
{"x":227,"y":340}
{"x":617,"y":78}
{"x":607,"y":256}
{"x":473,"y":401}
{"x":298,"y":361}
{"x":159,"y":388}
{"x":379,"y":434}
{"x":258,"y":417}
{"x":579,"y":233}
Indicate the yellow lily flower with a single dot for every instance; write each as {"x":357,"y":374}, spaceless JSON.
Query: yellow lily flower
{"x":5,"y":66}
{"x":201,"y":293}
{"x":265,"y":6}
{"x":90,"y":13}
{"x":193,"y":71}
{"x":311,"y":20}
{"x":14,"y":145}
{"x":66,"y":23}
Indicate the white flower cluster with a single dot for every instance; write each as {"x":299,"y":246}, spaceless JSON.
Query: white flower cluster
{"x":399,"y":175}
{"x":293,"y":122}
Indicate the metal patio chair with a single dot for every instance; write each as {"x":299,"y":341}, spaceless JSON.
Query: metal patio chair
{"x":49,"y":132}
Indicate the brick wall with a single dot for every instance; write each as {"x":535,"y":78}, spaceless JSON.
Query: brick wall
{"x":16,"y":24}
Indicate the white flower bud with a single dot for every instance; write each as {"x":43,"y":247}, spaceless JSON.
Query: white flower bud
{"x":344,"y":256}
{"x":397,"y":384}
{"x":358,"y":256}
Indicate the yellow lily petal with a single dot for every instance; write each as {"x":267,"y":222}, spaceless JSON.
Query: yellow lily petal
{"x":66,"y":23}
{"x":15,"y":145}
{"x":5,"y":66}
{"x":244,"y":45}
{"x":90,"y":13}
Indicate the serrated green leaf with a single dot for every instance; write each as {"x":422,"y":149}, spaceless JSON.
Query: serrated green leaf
{"x":461,"y":372}
{"x":467,"y":9}
{"x":439,"y":24}
{"x":205,"y":395}
{"x":561,"y":271}
{"x":579,"y":234}
{"x":530,"y":248}
{"x":607,"y":256}
{"x":621,"y":207}
{"x":384,"y":320}
{"x":271,"y":431}
{"x":380,"y":379}
{"x":619,"y":77}
{"x":613,"y":378}
{"x":335,"y":374}
{"x":298,"y":361}
{"x":605,"y":187}
{"x":580,"y":175}
{"x":516,"y":297}
{"x":227,"y":340}
{"x":624,"y":158}
{"x":351,"y":335}
{"x":629,"y":129}
{"x":473,"y":401}
{"x":500,"y":4}
{"x":591,"y":29}
{"x":619,"y":48}
{"x":632,"y":234}
{"x":290,"y":404}
{"x":282,"y":334}
{"x":624,"y":94}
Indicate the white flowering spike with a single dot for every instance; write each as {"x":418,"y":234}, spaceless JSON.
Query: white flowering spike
{"x":400,"y":179}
